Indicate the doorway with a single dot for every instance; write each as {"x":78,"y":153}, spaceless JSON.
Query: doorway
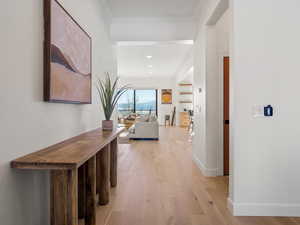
{"x":226,"y":121}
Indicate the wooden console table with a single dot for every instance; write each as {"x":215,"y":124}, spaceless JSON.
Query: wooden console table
{"x":80,"y":168}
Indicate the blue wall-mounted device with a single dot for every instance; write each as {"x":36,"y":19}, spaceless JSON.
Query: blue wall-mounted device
{"x":268,"y":111}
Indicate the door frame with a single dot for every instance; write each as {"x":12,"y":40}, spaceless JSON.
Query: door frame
{"x":220,"y":155}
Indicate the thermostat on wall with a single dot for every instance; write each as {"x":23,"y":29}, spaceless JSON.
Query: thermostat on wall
{"x":268,"y":111}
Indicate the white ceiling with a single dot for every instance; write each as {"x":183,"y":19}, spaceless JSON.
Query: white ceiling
{"x":153,"y":8}
{"x":138,"y":24}
{"x":166,"y":59}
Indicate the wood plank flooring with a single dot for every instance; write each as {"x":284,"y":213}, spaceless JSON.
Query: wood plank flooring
{"x":159,"y":184}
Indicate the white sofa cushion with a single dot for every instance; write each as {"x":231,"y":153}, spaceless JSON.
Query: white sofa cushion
{"x":144,"y":130}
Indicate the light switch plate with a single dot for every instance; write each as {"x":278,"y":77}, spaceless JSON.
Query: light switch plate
{"x":258,"y":111}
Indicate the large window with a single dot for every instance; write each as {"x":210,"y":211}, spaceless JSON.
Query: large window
{"x":126,"y":103}
{"x":138,"y":101}
{"x":145,"y":101}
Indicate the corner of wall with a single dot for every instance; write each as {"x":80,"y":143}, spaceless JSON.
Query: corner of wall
{"x":106,"y":16}
{"x":208,"y":172}
{"x":230,"y":205}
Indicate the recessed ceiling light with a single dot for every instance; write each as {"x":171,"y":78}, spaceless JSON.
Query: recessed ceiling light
{"x":150,"y":66}
{"x":149,"y":56}
{"x":150,"y":72}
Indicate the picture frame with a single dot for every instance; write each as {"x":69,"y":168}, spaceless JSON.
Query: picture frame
{"x":166,"y":96}
{"x":67,"y":57}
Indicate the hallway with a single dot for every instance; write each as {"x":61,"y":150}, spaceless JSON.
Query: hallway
{"x":160,"y":185}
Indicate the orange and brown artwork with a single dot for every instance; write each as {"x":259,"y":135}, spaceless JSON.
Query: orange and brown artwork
{"x":70,"y":58}
{"x":166,"y":96}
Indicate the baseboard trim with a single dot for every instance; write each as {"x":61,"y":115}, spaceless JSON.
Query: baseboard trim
{"x":263,"y":209}
{"x":206,"y":171}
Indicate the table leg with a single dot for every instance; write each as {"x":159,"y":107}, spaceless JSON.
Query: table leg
{"x":64,"y":196}
{"x":90,"y":187}
{"x":82,"y":191}
{"x":103,"y":168}
{"x":114,"y":162}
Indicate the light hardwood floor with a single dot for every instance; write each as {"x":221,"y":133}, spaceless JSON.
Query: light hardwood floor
{"x":159,"y":184}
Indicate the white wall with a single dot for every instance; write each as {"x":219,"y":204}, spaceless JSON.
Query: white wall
{"x":199,"y":142}
{"x":212,"y":43}
{"x":156,"y":83}
{"x":265,"y":70}
{"x":217,"y":46}
{"x":27,"y":123}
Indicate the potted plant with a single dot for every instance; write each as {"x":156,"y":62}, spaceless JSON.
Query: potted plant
{"x":109,"y":94}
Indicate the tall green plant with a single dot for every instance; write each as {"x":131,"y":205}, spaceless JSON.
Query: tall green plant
{"x":109,"y":94}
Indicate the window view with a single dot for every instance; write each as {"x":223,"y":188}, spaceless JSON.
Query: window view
{"x":145,"y":101}
{"x":138,"y":101}
{"x":126,"y":103}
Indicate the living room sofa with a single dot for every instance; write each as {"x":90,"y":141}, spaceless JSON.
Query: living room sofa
{"x":145,"y":129}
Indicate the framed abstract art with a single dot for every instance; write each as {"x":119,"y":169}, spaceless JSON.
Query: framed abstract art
{"x":67,"y":57}
{"x":166,"y":96}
